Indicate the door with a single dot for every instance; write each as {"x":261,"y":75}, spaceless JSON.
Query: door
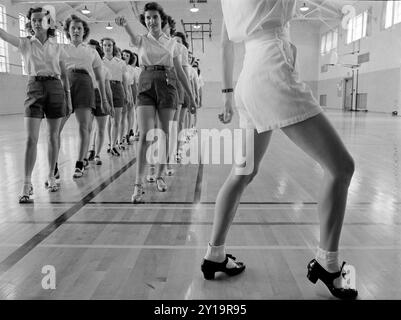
{"x":348,"y":87}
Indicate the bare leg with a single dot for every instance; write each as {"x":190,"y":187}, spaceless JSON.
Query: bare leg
{"x":115,"y":128}
{"x":53,"y":146}
{"x":317,"y":138}
{"x":124,"y":113}
{"x":146,"y":122}
{"x":230,"y":193}
{"x":100,"y":134}
{"x":165,"y":115}
{"x":84,"y":119}
{"x":32,"y":127}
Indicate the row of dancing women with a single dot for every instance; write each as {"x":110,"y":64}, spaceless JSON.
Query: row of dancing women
{"x":269,"y":95}
{"x":97,"y":81}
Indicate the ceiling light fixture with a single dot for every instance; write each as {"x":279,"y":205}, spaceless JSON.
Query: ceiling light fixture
{"x":196,"y":26}
{"x":85,"y":10}
{"x":304,"y":8}
{"x":109,"y":26}
{"x":194,"y":9}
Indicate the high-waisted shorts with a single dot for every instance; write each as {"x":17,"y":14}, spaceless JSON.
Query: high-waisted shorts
{"x":118,"y":94}
{"x":45,"y":98}
{"x":98,"y":112}
{"x":269,"y":94}
{"x":158,"y":88}
{"x":82,"y":91}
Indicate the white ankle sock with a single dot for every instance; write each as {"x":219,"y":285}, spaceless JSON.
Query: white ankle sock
{"x":329,"y":261}
{"x":218,"y":254}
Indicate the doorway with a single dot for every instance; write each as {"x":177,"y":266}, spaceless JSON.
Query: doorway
{"x":348,"y":88}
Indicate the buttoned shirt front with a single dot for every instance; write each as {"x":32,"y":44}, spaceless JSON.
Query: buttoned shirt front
{"x":117,"y":68}
{"x":82,"y":57}
{"x":42,"y":59}
{"x":161,"y":51}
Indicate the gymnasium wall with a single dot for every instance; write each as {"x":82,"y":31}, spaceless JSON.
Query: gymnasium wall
{"x":380,"y":77}
{"x":304,"y":35}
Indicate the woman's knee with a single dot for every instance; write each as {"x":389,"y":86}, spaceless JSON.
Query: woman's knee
{"x":345,"y":170}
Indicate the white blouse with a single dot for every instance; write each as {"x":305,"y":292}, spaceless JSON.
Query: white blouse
{"x":42,"y":59}
{"x":117,"y":68}
{"x":82,"y":57}
{"x":160,"y":51}
{"x":243,"y":18}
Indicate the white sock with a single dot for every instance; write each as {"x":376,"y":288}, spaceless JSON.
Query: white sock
{"x":27,"y":180}
{"x":329,"y":261}
{"x":218,"y":254}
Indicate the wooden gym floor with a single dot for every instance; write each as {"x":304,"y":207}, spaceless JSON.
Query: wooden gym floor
{"x":103,"y":247}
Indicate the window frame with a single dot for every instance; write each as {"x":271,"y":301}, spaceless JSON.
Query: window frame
{"x":4,"y":44}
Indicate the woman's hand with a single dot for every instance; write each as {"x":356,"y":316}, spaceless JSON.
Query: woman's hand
{"x":105,"y":106}
{"x":227,"y":114}
{"x":192,"y":105}
{"x":121,"y":21}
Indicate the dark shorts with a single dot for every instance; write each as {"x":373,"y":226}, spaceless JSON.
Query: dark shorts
{"x":97,"y":112}
{"x":186,"y":100}
{"x":82,"y":91}
{"x":45,"y":99}
{"x":158,"y":88}
{"x":118,"y":94}
{"x":181,"y":93}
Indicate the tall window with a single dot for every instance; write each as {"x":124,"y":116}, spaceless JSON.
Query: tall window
{"x":357,"y":27}
{"x":393,"y":13}
{"x":22,"y":32}
{"x":61,"y":38}
{"x":3,"y":44}
{"x":329,"y":42}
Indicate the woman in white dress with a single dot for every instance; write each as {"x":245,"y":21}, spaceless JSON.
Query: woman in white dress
{"x":270,"y":96}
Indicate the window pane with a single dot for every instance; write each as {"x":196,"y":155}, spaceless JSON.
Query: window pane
{"x":335,"y":39}
{"x":389,"y":14}
{"x":397,"y":12}
{"x":350,"y":30}
{"x":329,"y":42}
{"x":323,"y":45}
{"x":365,"y":24}
{"x":358,"y":28}
{"x":3,"y":64}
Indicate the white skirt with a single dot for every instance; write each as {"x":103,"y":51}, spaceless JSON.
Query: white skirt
{"x":269,"y":94}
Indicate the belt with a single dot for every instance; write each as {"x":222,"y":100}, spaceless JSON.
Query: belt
{"x":45,"y":78}
{"x":156,"y":68}
{"x":115,"y":81}
{"x":83,"y":71}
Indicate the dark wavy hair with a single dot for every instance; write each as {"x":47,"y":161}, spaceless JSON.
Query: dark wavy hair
{"x":137,"y":59}
{"x":51,"y":32}
{"x":97,"y":46}
{"x":153,"y":6}
{"x":172,"y":24}
{"x":114,"y":44}
{"x":183,"y":38}
{"x":131,"y":56}
{"x":75,"y":18}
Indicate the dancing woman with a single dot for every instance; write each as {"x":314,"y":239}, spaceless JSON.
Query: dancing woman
{"x":270,"y":96}
{"x":157,"y":92}
{"x":47,"y":91}
{"x":83,"y":61}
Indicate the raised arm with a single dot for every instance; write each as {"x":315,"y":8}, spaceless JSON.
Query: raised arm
{"x":135,"y":38}
{"x":13,"y":40}
{"x":227,"y":58}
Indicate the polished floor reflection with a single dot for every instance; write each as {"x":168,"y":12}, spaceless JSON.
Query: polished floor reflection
{"x":103,"y":247}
